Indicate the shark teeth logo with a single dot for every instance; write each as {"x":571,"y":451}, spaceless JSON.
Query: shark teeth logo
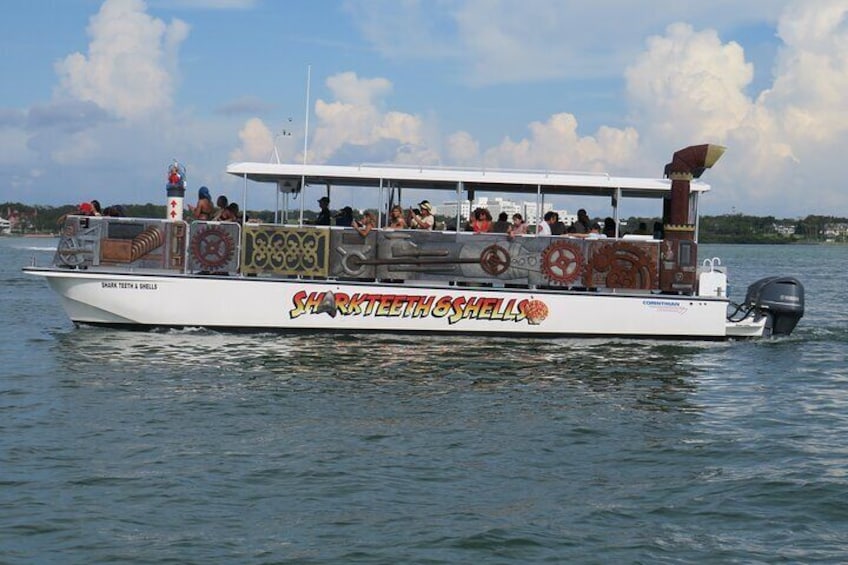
{"x":328,"y":305}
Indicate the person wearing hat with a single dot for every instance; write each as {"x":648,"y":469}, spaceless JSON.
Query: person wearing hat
{"x":425,"y":220}
{"x":345,"y":217}
{"x":86,"y":209}
{"x":324,"y":216}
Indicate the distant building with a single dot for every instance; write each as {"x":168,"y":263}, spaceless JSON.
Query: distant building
{"x":784,"y":230}
{"x":5,"y":226}
{"x":448,"y":209}
{"x":495,"y":206}
{"x":532,"y":215}
{"x":836,"y":230}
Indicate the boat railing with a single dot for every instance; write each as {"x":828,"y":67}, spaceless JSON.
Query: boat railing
{"x":204,"y":248}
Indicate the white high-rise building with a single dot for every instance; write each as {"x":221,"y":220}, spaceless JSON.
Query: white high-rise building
{"x":495,"y":206}
{"x":448,"y":209}
{"x":531,"y":212}
{"x":498,"y":205}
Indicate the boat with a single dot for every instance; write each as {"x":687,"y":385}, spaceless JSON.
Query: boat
{"x":289,"y":275}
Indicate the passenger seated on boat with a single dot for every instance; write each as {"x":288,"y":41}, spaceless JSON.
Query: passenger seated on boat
{"x":84,"y":209}
{"x":544,"y":227}
{"x":396,"y":220}
{"x":502,"y":225}
{"x":324,"y":215}
{"x":582,"y":224}
{"x":230,"y":213}
{"x":424,"y":220}
{"x":642,"y":229}
{"x":204,"y":209}
{"x":367,"y":223}
{"x":557,"y":227}
{"x":609,"y":227}
{"x":481,"y":221}
{"x":518,"y":227}
{"x":595,"y":232}
{"x":345,"y":217}
{"x":222,"y":202}
{"x":659,"y":230}
{"x":114,"y":211}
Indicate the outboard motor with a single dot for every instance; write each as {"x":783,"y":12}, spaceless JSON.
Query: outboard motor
{"x":780,"y":299}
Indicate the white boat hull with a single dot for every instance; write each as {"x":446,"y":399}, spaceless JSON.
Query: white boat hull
{"x":274,"y":304}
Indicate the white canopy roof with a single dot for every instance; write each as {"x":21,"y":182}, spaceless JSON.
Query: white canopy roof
{"x":442,"y":178}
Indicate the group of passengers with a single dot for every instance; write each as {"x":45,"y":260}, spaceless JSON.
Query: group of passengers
{"x":421,"y":217}
{"x":222,"y":211}
{"x":94,"y":209}
{"x":583,"y":226}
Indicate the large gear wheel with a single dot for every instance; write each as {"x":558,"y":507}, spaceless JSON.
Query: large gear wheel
{"x":212,"y":247}
{"x":562,"y":262}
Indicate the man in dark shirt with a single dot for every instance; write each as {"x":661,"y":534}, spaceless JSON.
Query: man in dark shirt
{"x":323,"y":218}
{"x":557,"y":227}
{"x":502,"y":225}
{"x":345,"y":217}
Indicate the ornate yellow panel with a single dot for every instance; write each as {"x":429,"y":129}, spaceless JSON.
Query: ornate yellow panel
{"x":285,"y":250}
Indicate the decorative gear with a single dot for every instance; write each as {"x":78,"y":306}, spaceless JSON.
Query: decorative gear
{"x":70,"y":252}
{"x":495,"y":260}
{"x":562,"y":262}
{"x":626,"y":266}
{"x":212,"y":247}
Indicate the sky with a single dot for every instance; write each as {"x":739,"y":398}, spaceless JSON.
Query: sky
{"x":100,"y":96}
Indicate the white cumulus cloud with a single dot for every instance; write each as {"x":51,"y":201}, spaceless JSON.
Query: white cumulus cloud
{"x":355,"y":118}
{"x":689,"y":86}
{"x":556,"y":144}
{"x":130,"y":66}
{"x":257,"y":142}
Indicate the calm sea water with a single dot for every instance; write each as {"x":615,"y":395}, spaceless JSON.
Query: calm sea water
{"x":202,"y":447}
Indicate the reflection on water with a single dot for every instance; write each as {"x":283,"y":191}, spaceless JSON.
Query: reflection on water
{"x":643,"y":374}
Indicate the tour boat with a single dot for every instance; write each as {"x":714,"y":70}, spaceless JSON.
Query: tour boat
{"x":293,"y":276}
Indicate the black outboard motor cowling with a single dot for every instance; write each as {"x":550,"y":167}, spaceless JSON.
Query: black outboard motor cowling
{"x":781,"y":299}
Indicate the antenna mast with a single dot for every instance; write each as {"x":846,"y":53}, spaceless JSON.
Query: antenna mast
{"x":305,"y":141}
{"x":306,"y":122}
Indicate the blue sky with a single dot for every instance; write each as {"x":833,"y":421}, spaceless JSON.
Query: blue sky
{"x":100,"y":96}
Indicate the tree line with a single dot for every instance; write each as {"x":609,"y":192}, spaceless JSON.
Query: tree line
{"x":725,"y":228}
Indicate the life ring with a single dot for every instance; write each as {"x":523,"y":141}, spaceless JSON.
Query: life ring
{"x":562,"y":262}
{"x":212,"y":247}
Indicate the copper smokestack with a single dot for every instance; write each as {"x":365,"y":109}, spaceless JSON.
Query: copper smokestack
{"x":687,"y":164}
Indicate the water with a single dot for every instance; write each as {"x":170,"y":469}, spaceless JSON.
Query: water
{"x":202,"y":447}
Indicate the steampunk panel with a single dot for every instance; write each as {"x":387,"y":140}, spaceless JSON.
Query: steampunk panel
{"x":287,"y":251}
{"x":213,"y":247}
{"x":143,"y":243}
